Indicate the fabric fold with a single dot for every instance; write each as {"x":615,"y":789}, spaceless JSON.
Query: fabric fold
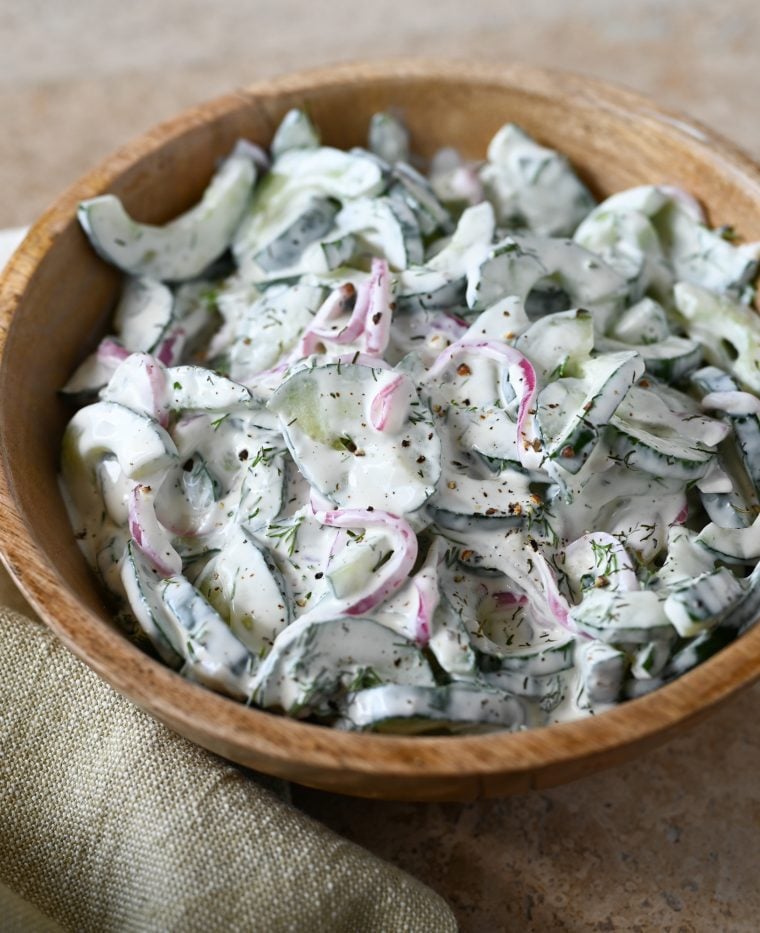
{"x":109,"y":821}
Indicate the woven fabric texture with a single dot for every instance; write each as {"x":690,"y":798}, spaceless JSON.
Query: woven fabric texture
{"x":109,"y":821}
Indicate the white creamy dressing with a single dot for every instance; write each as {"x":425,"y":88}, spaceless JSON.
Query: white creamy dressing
{"x":420,"y":461}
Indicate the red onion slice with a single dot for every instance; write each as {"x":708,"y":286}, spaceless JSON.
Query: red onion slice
{"x":396,"y":570}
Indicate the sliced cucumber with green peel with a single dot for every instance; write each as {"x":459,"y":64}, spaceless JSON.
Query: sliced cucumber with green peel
{"x":263,"y":332}
{"x":647,"y":434}
{"x":384,"y":227}
{"x":715,"y":383}
{"x":141,"y":580}
{"x":697,"y":651}
{"x":143,"y":313}
{"x":531,"y":186}
{"x":182,"y":248}
{"x":296,"y":178}
{"x":739,"y":545}
{"x":643,"y":323}
{"x":142,"y":447}
{"x":416,"y":710}
{"x":245,"y":587}
{"x":212,"y":654}
{"x":728,"y":331}
{"x":388,"y":138}
{"x":325,"y":417}
{"x":314,"y":662}
{"x":672,"y":359}
{"x":622,"y":618}
{"x":296,"y":131}
{"x":603,"y":383}
{"x":558,"y":343}
{"x":603,"y":669}
{"x":702,"y":602}
{"x":286,"y":249}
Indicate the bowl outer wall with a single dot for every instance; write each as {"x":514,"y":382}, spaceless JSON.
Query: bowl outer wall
{"x":50,"y":318}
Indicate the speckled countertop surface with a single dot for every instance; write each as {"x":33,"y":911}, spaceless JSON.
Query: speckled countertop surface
{"x":670,"y":842}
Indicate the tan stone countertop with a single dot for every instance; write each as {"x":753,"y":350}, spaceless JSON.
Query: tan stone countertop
{"x":670,"y":842}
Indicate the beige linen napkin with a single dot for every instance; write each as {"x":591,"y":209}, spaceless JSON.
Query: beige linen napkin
{"x":109,"y":821}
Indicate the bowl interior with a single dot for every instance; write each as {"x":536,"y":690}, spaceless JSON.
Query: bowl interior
{"x":57,"y":296}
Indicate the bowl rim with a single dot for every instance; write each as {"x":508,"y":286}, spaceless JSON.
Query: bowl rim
{"x":306,"y":752}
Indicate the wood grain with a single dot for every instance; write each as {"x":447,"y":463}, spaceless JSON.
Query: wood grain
{"x":54,"y":302}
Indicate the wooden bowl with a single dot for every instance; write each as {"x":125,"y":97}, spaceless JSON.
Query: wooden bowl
{"x":54,"y":303}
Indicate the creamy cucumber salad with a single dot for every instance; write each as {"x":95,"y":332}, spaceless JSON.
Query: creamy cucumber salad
{"x":421,"y":447}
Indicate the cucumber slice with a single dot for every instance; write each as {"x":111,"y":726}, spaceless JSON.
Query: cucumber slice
{"x":140,"y":580}
{"x":187,"y":495}
{"x":649,"y":661}
{"x":551,"y":655}
{"x":671,"y":360}
{"x":193,"y":319}
{"x":558,"y":343}
{"x":324,"y":413}
{"x":141,"y":446}
{"x":547,"y":691}
{"x":628,"y":242}
{"x":288,"y":247}
{"x":746,"y":426}
{"x":622,"y":618}
{"x":195,"y":388}
{"x":338,"y":252}
{"x":736,"y":545}
{"x":598,"y":559}
{"x":702,"y":602}
{"x":312,"y":663}
{"x":667,"y":412}
{"x":697,"y":651}
{"x":506,"y":270}
{"x":471,"y":239}
{"x":296,"y":131}
{"x":349,"y":570}
{"x":660,"y":456}
{"x":245,"y":587}
{"x":143,"y":313}
{"x":212,"y":654}
{"x":747,"y":613}
{"x":383,"y":227}
{"x":264,"y":331}
{"x":686,"y":558}
{"x":647,"y":434}
{"x":450,"y":642}
{"x":604,"y":382}
{"x":416,"y":710}
{"x":602,"y":670}
{"x":429,"y":291}
{"x":702,"y":256}
{"x":246,"y":468}
{"x":728,"y":331}
{"x":388,"y":138}
{"x":441,"y":283}
{"x":296,"y":178}
{"x":463,"y":501}
{"x":471,"y":405}
{"x":519,"y":263}
{"x":643,"y":323}
{"x":532,"y":186}
{"x":417,"y":193}
{"x":182,"y":248}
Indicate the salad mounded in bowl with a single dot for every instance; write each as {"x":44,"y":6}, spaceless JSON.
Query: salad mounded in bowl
{"x":422,"y":448}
